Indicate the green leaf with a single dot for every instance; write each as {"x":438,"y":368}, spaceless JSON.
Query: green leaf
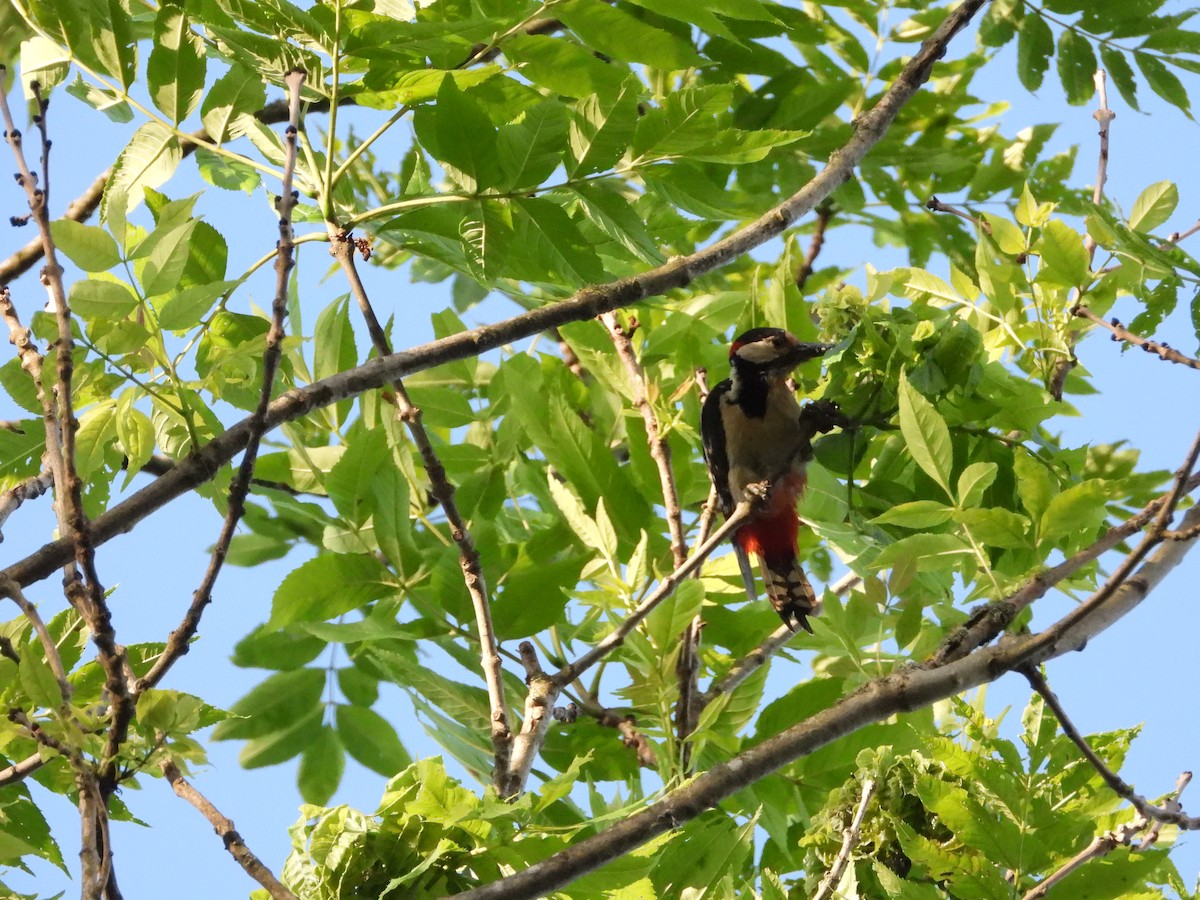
{"x":458,"y":133}
{"x":135,"y":431}
{"x":615,"y":216}
{"x":351,"y":481}
{"x":930,"y":552}
{"x":273,"y":705}
{"x":551,"y":241}
{"x":974,"y":480}
{"x":1078,"y":508}
{"x":1163,"y":81}
{"x":564,"y":67}
{"x":392,"y":520}
{"x":1064,"y":259}
{"x":463,"y":703}
{"x":925,"y":433}
{"x":1035,"y":46}
{"x":531,"y":147}
{"x":280,"y":746}
{"x":175,"y":712}
{"x":601,"y":130}
{"x":238,"y":92}
{"x":89,"y":247}
{"x":1076,"y":66}
{"x":176,"y":68}
{"x":102,"y":100}
{"x":321,"y":767}
{"x":98,"y":32}
{"x":184,"y":309}
{"x":998,"y":527}
{"x":166,"y":259}
{"x":617,"y":34}
{"x":45,"y":62}
{"x":1154,"y":206}
{"x":334,"y":349}
{"x":328,"y":586}
{"x":38,"y":681}
{"x":96,"y":299}
{"x":148,"y":160}
{"x":916,"y":514}
{"x":1008,"y":237}
{"x":97,"y":428}
{"x":225,"y":173}
{"x":371,"y":740}
{"x":1118,"y":68}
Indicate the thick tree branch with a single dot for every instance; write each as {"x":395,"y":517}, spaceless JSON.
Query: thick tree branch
{"x":233,"y":842}
{"x":659,"y":451}
{"x":342,"y":247}
{"x":29,"y":489}
{"x":539,"y":709}
{"x":909,"y":689}
{"x":21,"y":770}
{"x":177,"y":643}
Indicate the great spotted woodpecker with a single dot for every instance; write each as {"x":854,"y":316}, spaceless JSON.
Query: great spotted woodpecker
{"x":754,"y":431}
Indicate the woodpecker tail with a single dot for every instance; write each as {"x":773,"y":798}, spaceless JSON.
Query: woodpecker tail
{"x":789,"y":592}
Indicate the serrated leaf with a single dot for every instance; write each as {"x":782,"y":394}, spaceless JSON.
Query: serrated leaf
{"x":1154,"y":206}
{"x":601,"y":130}
{"x":328,"y":586}
{"x":135,"y":431}
{"x":1035,"y":46}
{"x":38,"y":681}
{"x":89,"y":247}
{"x":1064,"y":259}
{"x":184,"y":309}
{"x":176,"y":68}
{"x":149,"y":159}
{"x":974,"y":480}
{"x":926,"y":436}
{"x":1008,"y":237}
{"x":238,"y":92}
{"x":927,"y":552}
{"x":280,"y":746}
{"x":532,"y":146}
{"x":1076,"y":66}
{"x":167,"y":257}
{"x":1078,"y":508}
{"x":1118,"y":68}
{"x":1163,"y":81}
{"x":620,"y":35}
{"x":371,"y":740}
{"x":457,"y":132}
{"x":351,"y":481}
{"x":108,"y":102}
{"x":274,"y":704}
{"x":998,"y":527}
{"x":93,"y":298}
{"x":97,"y":428}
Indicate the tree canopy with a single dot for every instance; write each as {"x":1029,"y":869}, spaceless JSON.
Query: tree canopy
{"x":513,"y":523}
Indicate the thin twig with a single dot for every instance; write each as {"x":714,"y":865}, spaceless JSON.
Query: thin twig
{"x":1101,"y":845}
{"x":177,"y":643}
{"x":539,"y":709}
{"x":251,"y":864}
{"x":13,"y":590}
{"x":933,"y":204}
{"x":850,"y":839}
{"x":342,"y":248}
{"x":824,"y":215}
{"x":666,"y":587}
{"x":1121,"y":333}
{"x":29,"y":489}
{"x":989,"y":620}
{"x":1172,"y":803}
{"x":689,"y":705}
{"x":660,"y":452}
{"x":771,"y":644}
{"x":626,"y":725}
{"x":1117,"y":784}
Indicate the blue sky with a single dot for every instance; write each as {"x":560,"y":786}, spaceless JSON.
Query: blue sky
{"x":1126,"y":676}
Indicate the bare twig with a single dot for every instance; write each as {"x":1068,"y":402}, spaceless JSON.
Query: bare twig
{"x":539,"y":707}
{"x":29,"y":489}
{"x":666,"y":587}
{"x":771,"y":644}
{"x":1101,"y":845}
{"x":1117,"y":784}
{"x":342,"y":248}
{"x":850,"y":839}
{"x":1121,"y":333}
{"x":659,"y":451}
{"x":13,"y":590}
{"x":21,"y":769}
{"x":989,"y":620}
{"x":626,"y":725}
{"x":1172,"y":803}
{"x":1183,"y":534}
{"x":689,"y":705}
{"x":177,"y":643}
{"x":251,"y":864}
{"x":933,"y":204}
{"x":824,"y":215}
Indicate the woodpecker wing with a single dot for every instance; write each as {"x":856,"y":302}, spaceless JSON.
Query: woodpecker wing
{"x":712,"y":435}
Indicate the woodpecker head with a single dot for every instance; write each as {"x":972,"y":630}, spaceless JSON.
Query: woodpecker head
{"x":769,"y":354}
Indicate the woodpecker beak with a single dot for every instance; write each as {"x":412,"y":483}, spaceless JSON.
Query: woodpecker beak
{"x":800,"y":353}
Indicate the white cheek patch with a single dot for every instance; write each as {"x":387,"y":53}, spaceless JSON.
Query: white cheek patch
{"x":760,"y":353}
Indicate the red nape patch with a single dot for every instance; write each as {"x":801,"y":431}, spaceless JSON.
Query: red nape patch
{"x":772,"y":534}
{"x":735,"y":347}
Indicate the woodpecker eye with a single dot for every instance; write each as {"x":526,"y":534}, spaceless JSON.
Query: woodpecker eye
{"x":778,"y":342}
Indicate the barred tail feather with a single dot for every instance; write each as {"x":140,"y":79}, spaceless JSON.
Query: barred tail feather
{"x":790,"y":593}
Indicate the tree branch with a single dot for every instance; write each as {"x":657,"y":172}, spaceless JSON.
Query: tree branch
{"x":824,"y":216}
{"x":933,"y":204}
{"x":233,"y":841}
{"x":29,"y":489}
{"x":850,"y":839}
{"x":1118,"y":785}
{"x":659,"y":451}
{"x":21,"y":770}
{"x":1101,"y":845}
{"x":1121,"y":333}
{"x":179,"y":639}
{"x":902,"y":691}
{"x":12,"y":590}
{"x":539,"y":708}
